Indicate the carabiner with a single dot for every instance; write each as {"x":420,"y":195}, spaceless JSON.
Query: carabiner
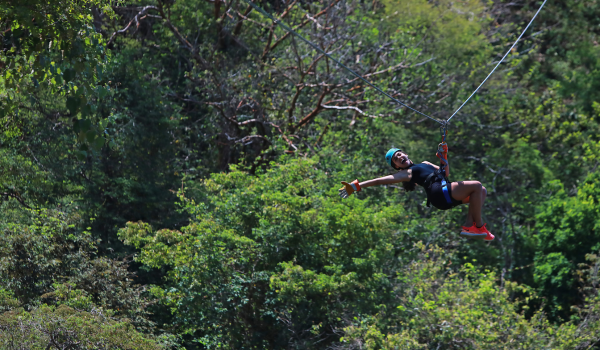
{"x":444,"y":131}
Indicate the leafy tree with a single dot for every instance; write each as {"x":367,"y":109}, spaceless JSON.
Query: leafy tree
{"x":274,"y":258}
{"x":438,"y":306}
{"x":52,"y":62}
{"x":64,"y":327}
{"x":45,"y":256}
{"x":567,"y":59}
{"x":50,"y":46}
{"x":110,"y":109}
{"x":567,"y":230}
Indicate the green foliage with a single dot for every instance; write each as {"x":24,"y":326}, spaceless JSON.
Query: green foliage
{"x":204,"y":99}
{"x":7,"y":300}
{"x":451,"y":29}
{"x":567,"y":61}
{"x":65,"y":327}
{"x":568,"y":229}
{"x":52,"y":47}
{"x":441,"y":307}
{"x":34,"y":254}
{"x":22,"y":177}
{"x":67,"y":294}
{"x":34,"y":32}
{"x":46,"y":258}
{"x":277,"y":246}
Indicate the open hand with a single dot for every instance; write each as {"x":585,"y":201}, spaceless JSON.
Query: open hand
{"x":348,"y":188}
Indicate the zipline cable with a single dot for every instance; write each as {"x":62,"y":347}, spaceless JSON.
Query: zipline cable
{"x":506,"y":54}
{"x":256,"y":7}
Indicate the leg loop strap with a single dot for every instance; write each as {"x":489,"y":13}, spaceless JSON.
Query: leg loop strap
{"x":446,"y":192}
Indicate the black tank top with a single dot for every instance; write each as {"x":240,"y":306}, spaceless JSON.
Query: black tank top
{"x":420,"y":172}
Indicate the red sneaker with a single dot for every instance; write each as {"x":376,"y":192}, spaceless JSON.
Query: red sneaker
{"x":489,"y":237}
{"x":473,"y":232}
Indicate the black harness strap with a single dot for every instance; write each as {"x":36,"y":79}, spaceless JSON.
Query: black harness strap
{"x":432,"y":178}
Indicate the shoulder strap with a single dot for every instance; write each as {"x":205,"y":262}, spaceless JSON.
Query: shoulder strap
{"x":429,"y":180}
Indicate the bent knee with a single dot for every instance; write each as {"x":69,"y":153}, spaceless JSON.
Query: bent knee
{"x":484,"y":190}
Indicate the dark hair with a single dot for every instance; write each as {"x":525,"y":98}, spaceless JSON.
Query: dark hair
{"x":409,"y":186}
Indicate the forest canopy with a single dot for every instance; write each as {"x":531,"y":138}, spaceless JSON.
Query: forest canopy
{"x":169,"y":174}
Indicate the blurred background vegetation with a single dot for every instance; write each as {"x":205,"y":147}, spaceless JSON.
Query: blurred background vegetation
{"x":169,"y":174}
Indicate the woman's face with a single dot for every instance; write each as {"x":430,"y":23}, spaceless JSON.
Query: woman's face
{"x":400,"y":160}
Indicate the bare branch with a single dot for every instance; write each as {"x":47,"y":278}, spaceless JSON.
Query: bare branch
{"x":249,"y":139}
{"x":305,"y":22}
{"x":389,"y":70}
{"x":136,"y":18}
{"x":352,"y":81}
{"x":287,"y":11}
{"x":353,"y":108}
{"x":16,"y":196}
{"x":238,"y":26}
{"x":422,"y":63}
{"x":321,"y":136}
{"x":244,"y":16}
{"x":317,"y":22}
{"x":181,"y":39}
{"x":312,"y":114}
{"x":283,"y":136}
{"x":266,"y":49}
{"x":249,"y":122}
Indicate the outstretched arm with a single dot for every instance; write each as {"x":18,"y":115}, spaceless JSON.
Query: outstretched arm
{"x":401,"y":176}
{"x":349,"y":188}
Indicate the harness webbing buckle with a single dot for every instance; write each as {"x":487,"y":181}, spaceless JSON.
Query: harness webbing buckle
{"x":444,"y":131}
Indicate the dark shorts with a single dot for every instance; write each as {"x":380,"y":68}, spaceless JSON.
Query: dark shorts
{"x":436,"y":197}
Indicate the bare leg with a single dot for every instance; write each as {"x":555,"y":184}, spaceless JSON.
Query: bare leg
{"x":470,"y":218}
{"x":471,"y":192}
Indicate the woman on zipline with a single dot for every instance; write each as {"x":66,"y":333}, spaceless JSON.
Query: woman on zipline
{"x":440,"y":193}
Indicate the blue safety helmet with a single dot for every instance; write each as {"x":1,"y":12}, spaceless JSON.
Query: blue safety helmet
{"x":390,"y":154}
